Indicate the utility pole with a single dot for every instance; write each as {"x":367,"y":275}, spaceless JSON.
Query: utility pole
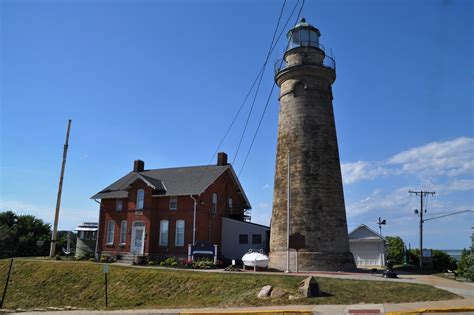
{"x":54,"y":235}
{"x":422,"y":194}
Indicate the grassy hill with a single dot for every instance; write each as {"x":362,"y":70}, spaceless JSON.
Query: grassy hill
{"x":36,"y":283}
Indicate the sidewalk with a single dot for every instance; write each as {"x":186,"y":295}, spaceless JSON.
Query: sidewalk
{"x":467,"y":306}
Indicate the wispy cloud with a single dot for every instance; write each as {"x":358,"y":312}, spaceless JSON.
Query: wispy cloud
{"x":450,"y":158}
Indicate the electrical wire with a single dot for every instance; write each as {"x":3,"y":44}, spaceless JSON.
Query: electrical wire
{"x":260,"y":77}
{"x":266,"y":104}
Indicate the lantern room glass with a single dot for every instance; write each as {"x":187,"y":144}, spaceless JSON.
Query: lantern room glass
{"x":304,"y":37}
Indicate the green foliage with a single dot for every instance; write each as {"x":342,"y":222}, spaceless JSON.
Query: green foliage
{"x":466,"y":265}
{"x":19,"y":235}
{"x":151,"y":263}
{"x":104,"y":258}
{"x":204,"y":263}
{"x":395,"y":249}
{"x":442,"y":262}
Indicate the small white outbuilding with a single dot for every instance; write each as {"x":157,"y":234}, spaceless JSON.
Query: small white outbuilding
{"x":368,"y":247}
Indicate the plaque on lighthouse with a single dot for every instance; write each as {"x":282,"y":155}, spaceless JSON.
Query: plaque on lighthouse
{"x":308,"y":194}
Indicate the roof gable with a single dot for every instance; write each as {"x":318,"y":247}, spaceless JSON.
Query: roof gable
{"x":363,"y":232}
{"x":178,"y":181}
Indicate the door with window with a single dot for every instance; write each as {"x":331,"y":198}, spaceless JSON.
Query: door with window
{"x":138,"y":238}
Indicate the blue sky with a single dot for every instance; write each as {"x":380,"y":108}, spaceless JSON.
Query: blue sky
{"x":161,"y":81}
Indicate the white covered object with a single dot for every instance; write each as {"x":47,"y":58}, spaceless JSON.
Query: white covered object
{"x":255,"y":260}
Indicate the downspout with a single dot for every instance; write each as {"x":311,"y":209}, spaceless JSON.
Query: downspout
{"x":96,"y":254}
{"x":194,"y":219}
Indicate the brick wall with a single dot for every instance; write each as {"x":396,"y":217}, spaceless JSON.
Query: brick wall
{"x":157,"y":209}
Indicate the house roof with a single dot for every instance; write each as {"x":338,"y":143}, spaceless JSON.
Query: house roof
{"x":177,"y":181}
{"x":364,"y":233}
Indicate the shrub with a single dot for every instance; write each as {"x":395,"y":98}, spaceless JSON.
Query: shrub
{"x":174,"y":264}
{"x":204,"y":263}
{"x":151,"y":263}
{"x":104,"y":258}
{"x":466,"y":265}
{"x":92,"y":259}
{"x":162,"y":263}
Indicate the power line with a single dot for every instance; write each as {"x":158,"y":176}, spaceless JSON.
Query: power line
{"x":268,"y":98}
{"x":260,"y":77}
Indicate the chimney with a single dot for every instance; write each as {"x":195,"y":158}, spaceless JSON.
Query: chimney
{"x":138,"y":166}
{"x":221,"y":159}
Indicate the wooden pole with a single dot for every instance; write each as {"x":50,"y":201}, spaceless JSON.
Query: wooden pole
{"x":6,"y":284}
{"x":54,"y":235}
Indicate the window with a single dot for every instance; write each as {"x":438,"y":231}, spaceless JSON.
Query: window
{"x":173,"y":203}
{"x":179,"y":233}
{"x":243,"y":239}
{"x":118,"y":205}
{"x":140,"y":197}
{"x":214,"y":203}
{"x":164,"y":233}
{"x":123,"y":232}
{"x":257,"y":239}
{"x":230,"y":203}
{"x":110,"y":232}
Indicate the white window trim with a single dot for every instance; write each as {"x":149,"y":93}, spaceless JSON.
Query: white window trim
{"x":138,"y":199}
{"x":160,"y":243}
{"x":176,"y":233}
{"x":123,"y":233}
{"x":108,"y":232}
{"x":175,"y":198}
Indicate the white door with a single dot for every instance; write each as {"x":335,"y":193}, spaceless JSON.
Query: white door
{"x":138,"y":238}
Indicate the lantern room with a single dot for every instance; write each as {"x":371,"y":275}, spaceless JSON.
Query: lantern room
{"x":303,"y":35}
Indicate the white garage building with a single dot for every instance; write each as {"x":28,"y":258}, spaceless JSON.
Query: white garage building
{"x":368,"y":247}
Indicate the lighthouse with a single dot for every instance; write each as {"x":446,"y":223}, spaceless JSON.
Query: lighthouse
{"x":308,"y":201}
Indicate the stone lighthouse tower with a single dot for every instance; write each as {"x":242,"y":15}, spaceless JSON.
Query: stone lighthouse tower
{"x":307,"y":143}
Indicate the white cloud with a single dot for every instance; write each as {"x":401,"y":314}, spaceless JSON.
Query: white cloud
{"x":362,"y":170}
{"x":380,"y":201}
{"x":450,"y":158}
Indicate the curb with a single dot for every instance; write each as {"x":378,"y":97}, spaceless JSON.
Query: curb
{"x":436,"y":310}
{"x":263,"y":312}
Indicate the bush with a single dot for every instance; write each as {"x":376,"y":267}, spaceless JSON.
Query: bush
{"x":92,"y":259}
{"x":466,"y":265}
{"x":151,"y":263}
{"x":442,"y":262}
{"x":204,"y":263}
{"x":104,"y":258}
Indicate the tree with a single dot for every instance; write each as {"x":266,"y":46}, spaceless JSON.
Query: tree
{"x":466,"y":265}
{"x":396,"y":248}
{"x":19,"y":235}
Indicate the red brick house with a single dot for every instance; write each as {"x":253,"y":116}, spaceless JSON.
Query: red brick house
{"x":159,"y":212}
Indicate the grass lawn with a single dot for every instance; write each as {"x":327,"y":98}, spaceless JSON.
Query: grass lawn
{"x":35,"y":283}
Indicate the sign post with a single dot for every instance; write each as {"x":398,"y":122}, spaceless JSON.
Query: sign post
{"x":106,"y":272}
{"x":297,"y":241}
